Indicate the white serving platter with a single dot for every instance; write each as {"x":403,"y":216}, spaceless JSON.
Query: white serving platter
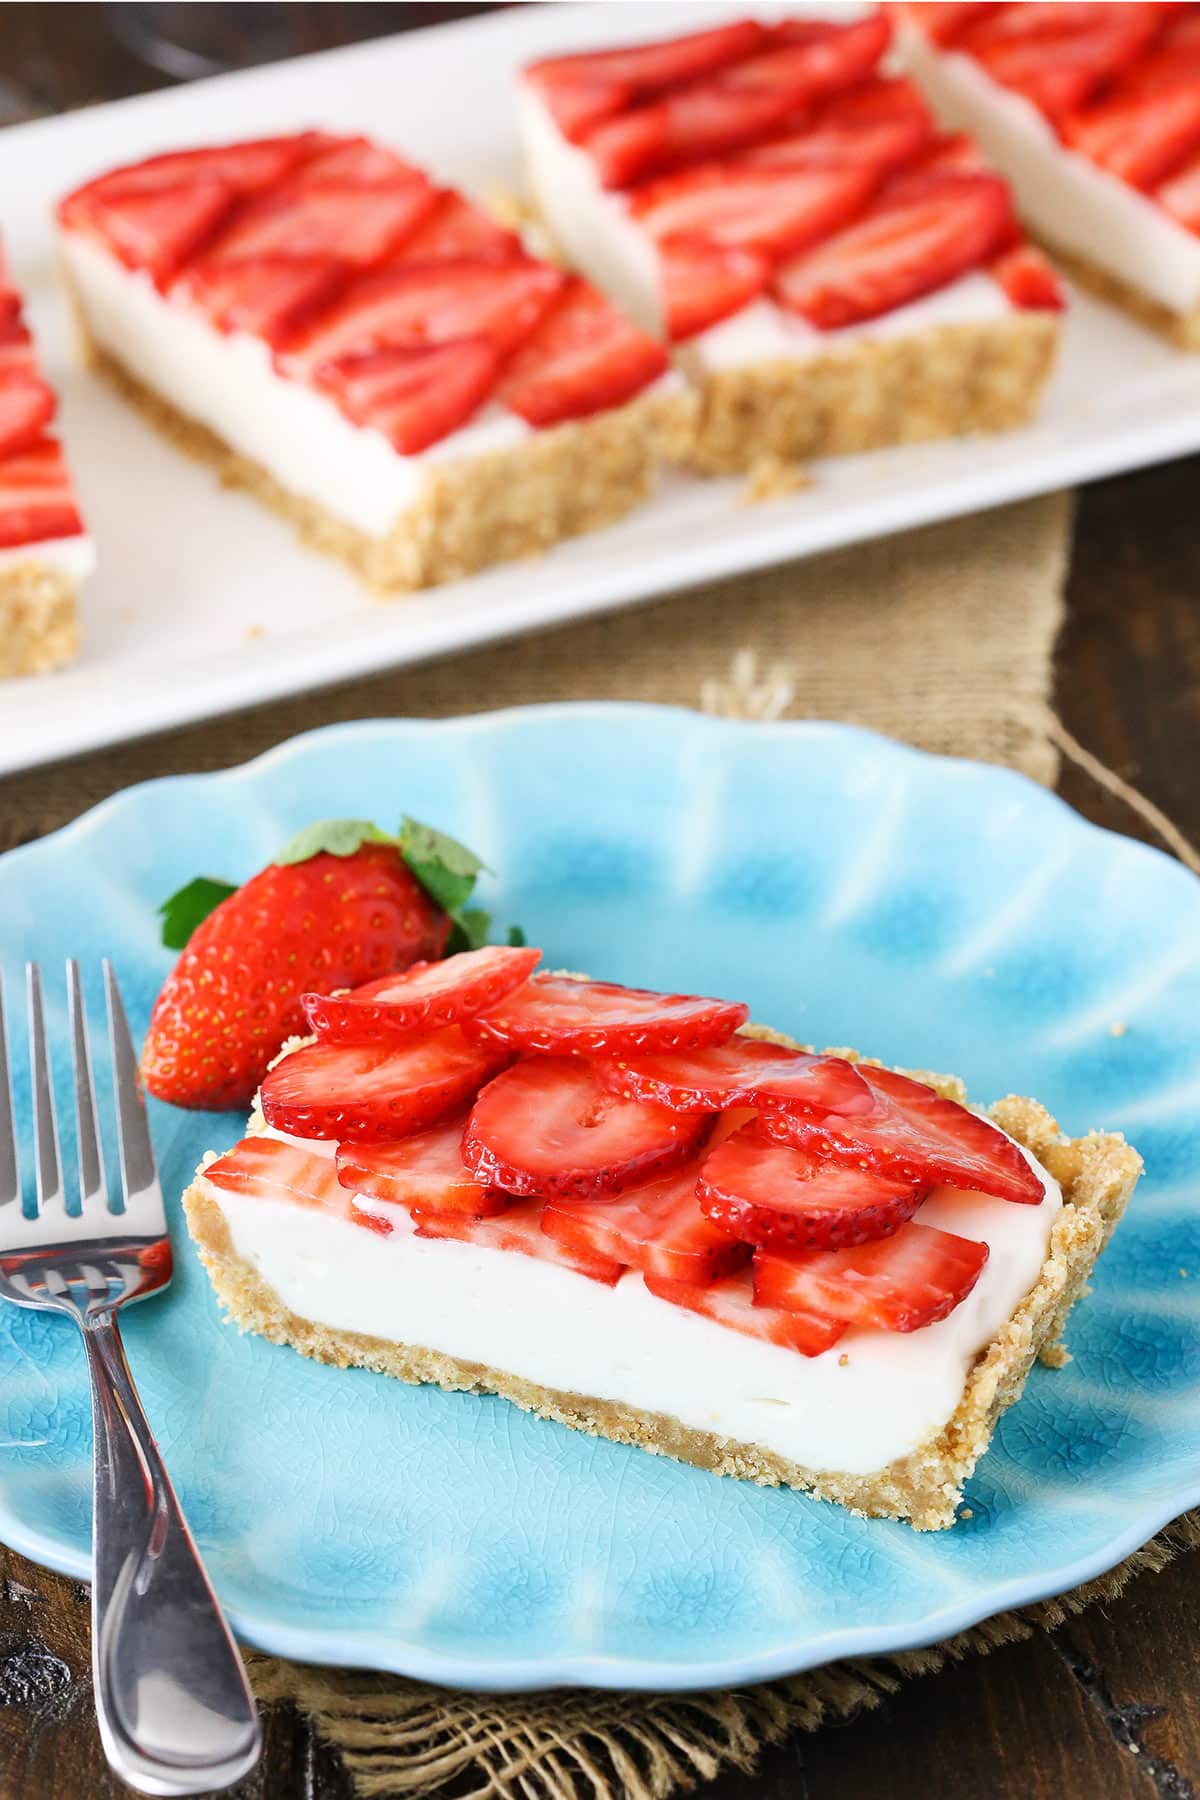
{"x":204,"y":602}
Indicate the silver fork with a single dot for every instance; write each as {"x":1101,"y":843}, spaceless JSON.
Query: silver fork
{"x":175,"y":1709}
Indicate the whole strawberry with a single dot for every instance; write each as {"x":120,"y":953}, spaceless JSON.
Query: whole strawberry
{"x":342,"y":903}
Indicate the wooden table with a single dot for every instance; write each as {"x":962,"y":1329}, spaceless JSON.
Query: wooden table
{"x":1108,"y":1708}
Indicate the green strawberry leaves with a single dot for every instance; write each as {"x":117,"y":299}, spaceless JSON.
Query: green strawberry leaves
{"x":337,"y":837}
{"x":445,"y":868}
{"x":189,"y":906}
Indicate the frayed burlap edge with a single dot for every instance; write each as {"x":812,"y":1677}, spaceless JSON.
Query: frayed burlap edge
{"x":405,"y":1738}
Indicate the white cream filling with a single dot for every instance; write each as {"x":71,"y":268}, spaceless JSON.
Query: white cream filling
{"x":1073,"y":201}
{"x":599,"y":234}
{"x":873,"y":1397}
{"x":227,"y":382}
{"x":74,"y":557}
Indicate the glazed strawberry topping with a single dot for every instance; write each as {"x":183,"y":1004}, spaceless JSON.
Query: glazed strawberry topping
{"x":564,"y":1013}
{"x":27,"y":406}
{"x":267,"y":296}
{"x":743,"y":1072}
{"x":347,"y":221}
{"x":37,"y":500}
{"x":425,"y":1171}
{"x":655,"y":1226}
{"x":415,"y":394}
{"x":1028,"y":279}
{"x":373,"y":1091}
{"x":583,"y":356}
{"x":881,"y":125}
{"x":914,"y":1135}
{"x":579,"y":90}
{"x":577,"y":1162}
{"x":702,"y":283}
{"x":769,"y":210}
{"x":456,"y":229}
{"x":548,"y":1127}
{"x":789,"y":1199}
{"x":898,"y":1283}
{"x":421,"y":998}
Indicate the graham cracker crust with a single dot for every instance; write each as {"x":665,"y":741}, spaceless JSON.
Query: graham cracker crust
{"x":1097,"y":1173}
{"x":943,"y":382}
{"x":1180,"y":329}
{"x":559,"y":482}
{"x":39,"y":619}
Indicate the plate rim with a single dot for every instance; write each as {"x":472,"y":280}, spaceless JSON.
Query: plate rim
{"x":371,"y":1648}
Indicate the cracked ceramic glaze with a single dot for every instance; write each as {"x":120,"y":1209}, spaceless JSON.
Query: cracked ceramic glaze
{"x":935,"y":913}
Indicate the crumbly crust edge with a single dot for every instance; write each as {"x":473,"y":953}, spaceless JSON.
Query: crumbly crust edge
{"x":468,"y":515}
{"x":1180,"y":329}
{"x":39,"y":618}
{"x":1097,"y":1173}
{"x":947,"y":381}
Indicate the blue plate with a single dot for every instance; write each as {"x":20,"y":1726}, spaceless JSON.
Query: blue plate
{"x":940,"y":914}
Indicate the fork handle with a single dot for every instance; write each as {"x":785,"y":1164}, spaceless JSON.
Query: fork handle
{"x":175,"y":1709}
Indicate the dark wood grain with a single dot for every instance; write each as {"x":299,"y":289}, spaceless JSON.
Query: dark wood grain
{"x":1108,"y":1708}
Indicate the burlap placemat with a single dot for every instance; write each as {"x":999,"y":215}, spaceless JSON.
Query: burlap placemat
{"x":943,"y":637}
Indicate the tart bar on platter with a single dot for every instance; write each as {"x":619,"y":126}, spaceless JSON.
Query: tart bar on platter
{"x":831,"y":272}
{"x":45,"y":553}
{"x":368,"y":352}
{"x":638,"y":1215}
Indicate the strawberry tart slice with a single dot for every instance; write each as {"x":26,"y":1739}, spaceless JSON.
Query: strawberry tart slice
{"x":45,"y":554}
{"x":637,"y":1215}
{"x":368,"y":352}
{"x":1093,"y":112}
{"x":832,"y":273}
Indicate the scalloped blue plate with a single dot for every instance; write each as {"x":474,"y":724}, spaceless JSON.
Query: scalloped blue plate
{"x":940,"y":914}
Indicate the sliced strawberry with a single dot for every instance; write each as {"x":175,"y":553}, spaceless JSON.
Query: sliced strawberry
{"x":1059,"y":55}
{"x":243,"y":168}
{"x":267,"y":296}
{"x":906,"y":245}
{"x":422,"y":997}
{"x":1140,"y":139}
{"x":356,"y":159}
{"x":27,"y":406}
{"x":770,"y":1193}
{"x":1173,"y":60}
{"x":642,"y":68}
{"x":946,"y":23}
{"x":429,"y":303}
{"x":956,"y":154}
{"x":731,"y":1302}
{"x":914,"y":1135}
{"x":415,"y":394}
{"x":1181,"y":195}
{"x":356,"y":222}
{"x":810,"y":58}
{"x":656,"y":1226}
{"x":370,"y":1091}
{"x":1029,"y":280}
{"x":519,"y":1229}
{"x":456,"y":229}
{"x":703,"y":284}
{"x":563,"y":1014}
{"x":37,"y":500}
{"x":768,"y":210}
{"x":265,"y":1167}
{"x":881,"y":125}
{"x":425,"y":1171}
{"x":157,"y":228}
{"x":583,"y":357}
{"x":17,"y":359}
{"x":898,"y":1283}
{"x":547,"y":1127}
{"x":743,"y":1072}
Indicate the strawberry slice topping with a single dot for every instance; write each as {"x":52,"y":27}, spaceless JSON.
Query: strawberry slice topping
{"x":743,"y":1072}
{"x":898,"y":1283}
{"x":37,"y":500}
{"x":548,"y":1127}
{"x":354,"y":159}
{"x":415,"y":394}
{"x":27,"y":406}
{"x":656,"y":1227}
{"x":583,"y":357}
{"x":908,"y":244}
{"x":579,"y":90}
{"x":1059,"y":55}
{"x":916,"y":1136}
{"x":265,"y":1167}
{"x":1141,"y":138}
{"x":946,"y":23}
{"x":267,"y":296}
{"x":1029,"y":280}
{"x":768,"y":210}
{"x":564,"y":1013}
{"x":425,"y":1171}
{"x":882,"y":125}
{"x":422,"y":997}
{"x":456,"y":229}
{"x":371,"y":1091}
{"x":354,"y":222}
{"x":788,"y":1199}
{"x":156,"y":228}
{"x":703,"y":283}
{"x":520,"y":1230}
{"x":429,"y":303}
{"x":732,"y":1302}
{"x":241,"y":168}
